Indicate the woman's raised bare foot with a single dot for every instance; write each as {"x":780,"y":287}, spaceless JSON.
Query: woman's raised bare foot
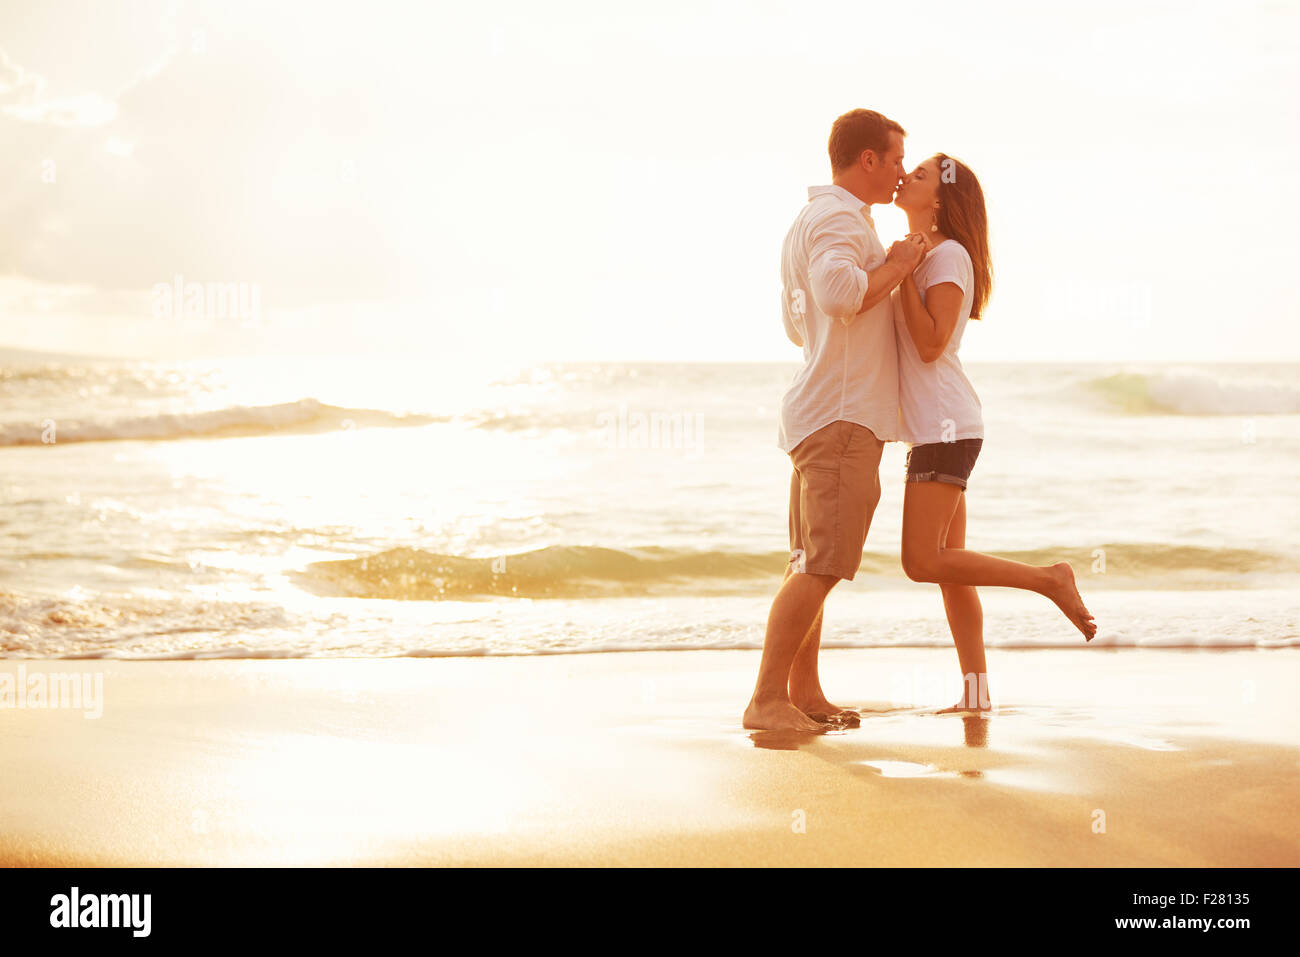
{"x":778,"y":715}
{"x":1066,"y":595}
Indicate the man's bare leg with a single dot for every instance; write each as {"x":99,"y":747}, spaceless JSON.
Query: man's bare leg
{"x":805,"y":687}
{"x":795,"y":609}
{"x":805,"y":684}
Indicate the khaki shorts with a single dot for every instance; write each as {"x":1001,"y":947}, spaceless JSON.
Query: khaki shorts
{"x":833,"y":494}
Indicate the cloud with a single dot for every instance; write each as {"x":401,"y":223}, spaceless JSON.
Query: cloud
{"x":21,"y":96}
{"x":237,"y":170}
{"x":18,"y":87}
{"x":87,"y":110}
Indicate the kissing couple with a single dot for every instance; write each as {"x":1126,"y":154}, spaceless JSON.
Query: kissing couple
{"x":880,"y":333}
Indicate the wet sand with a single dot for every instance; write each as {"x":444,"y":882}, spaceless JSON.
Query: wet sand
{"x":1093,"y":757}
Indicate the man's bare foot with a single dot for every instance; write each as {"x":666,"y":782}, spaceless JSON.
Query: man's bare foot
{"x":1066,"y":595}
{"x":818,"y":705}
{"x":845,"y":718}
{"x":778,"y":715}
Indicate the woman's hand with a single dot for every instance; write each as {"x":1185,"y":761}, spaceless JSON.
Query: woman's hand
{"x":923,"y":239}
{"x":908,"y":251}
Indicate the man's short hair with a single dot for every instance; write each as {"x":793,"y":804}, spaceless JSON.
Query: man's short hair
{"x":859,"y":130}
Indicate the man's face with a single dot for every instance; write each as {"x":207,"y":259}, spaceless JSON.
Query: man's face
{"x":887,"y":171}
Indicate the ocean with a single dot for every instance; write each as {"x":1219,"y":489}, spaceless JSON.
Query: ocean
{"x":423,"y":507}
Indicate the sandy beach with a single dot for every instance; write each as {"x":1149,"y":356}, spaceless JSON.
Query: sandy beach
{"x":1093,"y":758}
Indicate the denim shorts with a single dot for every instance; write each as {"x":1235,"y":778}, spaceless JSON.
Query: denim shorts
{"x":943,"y":461}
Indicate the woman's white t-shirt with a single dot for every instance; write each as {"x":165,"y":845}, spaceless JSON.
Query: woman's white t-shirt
{"x":936,"y":402}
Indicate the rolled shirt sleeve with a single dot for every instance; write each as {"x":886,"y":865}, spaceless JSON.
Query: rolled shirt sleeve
{"x":850,"y":369}
{"x":836,"y":253}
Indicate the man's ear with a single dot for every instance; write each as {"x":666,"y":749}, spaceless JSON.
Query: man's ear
{"x":867,"y":160}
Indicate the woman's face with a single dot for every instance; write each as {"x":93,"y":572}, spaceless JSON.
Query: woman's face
{"x":920,"y":189}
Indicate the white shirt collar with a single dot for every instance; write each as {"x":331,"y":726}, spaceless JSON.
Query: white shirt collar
{"x":845,"y":196}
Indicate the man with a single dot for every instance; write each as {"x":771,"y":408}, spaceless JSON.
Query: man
{"x":841,"y":409}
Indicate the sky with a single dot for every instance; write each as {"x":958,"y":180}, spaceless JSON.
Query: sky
{"x":613,"y":181}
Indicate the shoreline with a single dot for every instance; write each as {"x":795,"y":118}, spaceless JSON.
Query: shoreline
{"x":632,"y":759}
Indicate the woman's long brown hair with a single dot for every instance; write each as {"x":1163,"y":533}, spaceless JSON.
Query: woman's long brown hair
{"x":962,"y":216}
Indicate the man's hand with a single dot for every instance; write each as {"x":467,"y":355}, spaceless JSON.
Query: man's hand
{"x":907,"y":252}
{"x":900,"y":260}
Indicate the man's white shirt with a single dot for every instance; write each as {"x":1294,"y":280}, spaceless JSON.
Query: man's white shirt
{"x":850,"y":370}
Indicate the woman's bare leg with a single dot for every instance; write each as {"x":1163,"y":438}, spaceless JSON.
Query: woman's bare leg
{"x":928,"y":508}
{"x":966,"y":621}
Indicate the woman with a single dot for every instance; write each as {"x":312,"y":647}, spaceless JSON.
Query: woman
{"x":939,"y":414}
